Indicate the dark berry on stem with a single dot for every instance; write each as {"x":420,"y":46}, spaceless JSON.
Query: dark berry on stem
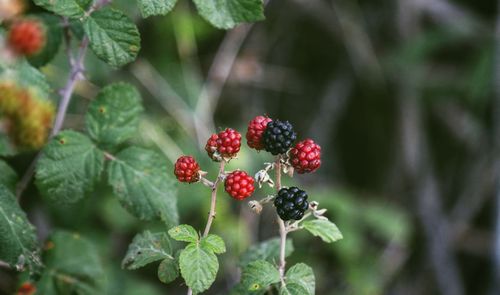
{"x":278,"y":137}
{"x":186,"y":169}
{"x":291,"y":203}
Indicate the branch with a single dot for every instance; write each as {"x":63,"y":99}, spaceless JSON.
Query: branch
{"x":281,"y":223}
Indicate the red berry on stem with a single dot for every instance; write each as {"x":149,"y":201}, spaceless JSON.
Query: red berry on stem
{"x":26,"y":288}
{"x":239,"y":185}
{"x":305,"y":156}
{"x":187,"y":169}
{"x":26,"y":37}
{"x":211,"y":147}
{"x":255,"y":130}
{"x":228,"y":143}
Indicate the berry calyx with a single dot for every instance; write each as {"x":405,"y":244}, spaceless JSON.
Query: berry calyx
{"x":26,"y":37}
{"x":305,"y":156}
{"x":256,"y":128}
{"x":187,"y":169}
{"x":239,"y":185}
{"x":291,"y":203}
{"x":228,"y":143}
{"x":278,"y":137}
{"x":211,"y":148}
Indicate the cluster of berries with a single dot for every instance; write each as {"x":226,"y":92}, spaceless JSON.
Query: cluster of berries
{"x":26,"y":36}
{"x":263,"y":133}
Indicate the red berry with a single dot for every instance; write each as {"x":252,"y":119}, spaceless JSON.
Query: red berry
{"x":187,"y":170}
{"x":254,"y":133}
{"x":239,"y":185}
{"x":211,"y":147}
{"x":228,"y":143}
{"x":305,"y":156}
{"x":26,"y":288}
{"x":27,"y":37}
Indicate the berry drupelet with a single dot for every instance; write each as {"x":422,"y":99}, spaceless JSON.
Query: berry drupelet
{"x":291,"y":203}
{"x":256,"y":128}
{"x":305,"y":156}
{"x":187,"y":169}
{"x":278,"y":137}
{"x":239,"y":185}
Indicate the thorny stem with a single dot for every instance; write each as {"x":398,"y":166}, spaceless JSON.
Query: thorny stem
{"x":281,"y":223}
{"x":212,"y":213}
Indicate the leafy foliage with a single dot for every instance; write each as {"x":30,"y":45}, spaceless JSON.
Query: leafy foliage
{"x":69,"y":8}
{"x":168,"y":271}
{"x":113,"y":36}
{"x":226,"y":14}
{"x":8,"y":176}
{"x":258,"y":276}
{"x":72,"y":266}
{"x":113,"y":116}
{"x":268,"y":250}
{"x":214,"y":243}
{"x":146,"y":248}
{"x":324,"y":229}
{"x":299,"y":281}
{"x":155,"y":7}
{"x":198,"y":266}
{"x":184,"y":233}
{"x":69,"y":167}
{"x":140,"y":180}
{"x":18,"y":245}
{"x":53,"y":40}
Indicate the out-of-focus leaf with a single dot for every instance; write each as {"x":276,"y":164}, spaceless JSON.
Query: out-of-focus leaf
{"x":268,"y":250}
{"x":113,"y":116}
{"x":69,"y":8}
{"x":69,"y":167}
{"x":146,"y":248}
{"x":184,"y":233}
{"x":198,"y":266}
{"x":299,"y":281}
{"x":143,"y":185}
{"x":324,"y":229}
{"x":18,"y":243}
{"x":113,"y":36}
{"x":72,"y":266}
{"x":155,"y":7}
{"x":53,"y":39}
{"x":8,"y":176}
{"x":214,"y":243}
{"x":226,"y":14}
{"x":168,"y":271}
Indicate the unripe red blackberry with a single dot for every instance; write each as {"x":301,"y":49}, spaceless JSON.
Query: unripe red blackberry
{"x":187,"y":169}
{"x":26,"y":288}
{"x":278,"y":137}
{"x":291,"y":203}
{"x":211,"y":148}
{"x":27,"y":37}
{"x":228,"y":143}
{"x":256,"y":128}
{"x":305,"y":156}
{"x":239,"y":185}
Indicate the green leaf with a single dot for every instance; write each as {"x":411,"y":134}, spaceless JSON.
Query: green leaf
{"x":18,"y":244}
{"x":113,"y":116}
{"x":299,"y":281}
{"x":113,"y":36}
{"x":8,"y":176}
{"x":146,"y":248}
{"x":155,"y":7}
{"x":140,"y":179}
{"x":214,"y":243}
{"x":268,"y":250}
{"x":53,"y":41}
{"x":258,"y":275}
{"x":69,"y":8}
{"x":72,"y":266}
{"x":324,"y":229}
{"x":69,"y":167}
{"x":6,"y":147}
{"x":226,"y":14}
{"x":168,"y":271}
{"x":184,"y":233}
{"x":198,"y":266}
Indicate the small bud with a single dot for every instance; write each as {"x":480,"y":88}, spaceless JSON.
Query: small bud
{"x":255,"y":206}
{"x":263,"y":177}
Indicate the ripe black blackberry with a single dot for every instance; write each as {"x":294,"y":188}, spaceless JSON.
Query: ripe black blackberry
{"x":291,"y":203}
{"x":278,"y":137}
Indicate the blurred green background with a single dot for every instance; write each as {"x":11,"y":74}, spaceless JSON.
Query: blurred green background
{"x":400,"y":96}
